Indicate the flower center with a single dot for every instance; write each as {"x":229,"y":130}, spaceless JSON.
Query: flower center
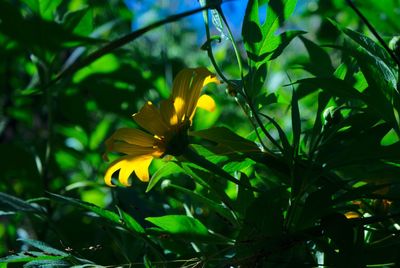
{"x":178,"y":140}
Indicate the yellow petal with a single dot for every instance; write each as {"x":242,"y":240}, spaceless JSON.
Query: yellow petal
{"x":150,"y":119}
{"x":352,"y":215}
{"x":126,"y":165}
{"x":132,"y":149}
{"x":206,"y":102}
{"x":142,"y":170}
{"x":180,"y":108}
{"x":187,"y":87}
{"x":132,"y":136}
{"x":168,"y":112}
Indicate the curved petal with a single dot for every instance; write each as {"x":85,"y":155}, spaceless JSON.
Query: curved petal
{"x":142,"y":170}
{"x":126,"y":165}
{"x":132,"y":136}
{"x":150,"y":119}
{"x":206,"y":102}
{"x":132,"y":149}
{"x":168,"y":112}
{"x":180,"y":87}
{"x":187,"y":87}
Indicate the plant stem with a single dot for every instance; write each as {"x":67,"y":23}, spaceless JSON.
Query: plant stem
{"x":230,"y":36}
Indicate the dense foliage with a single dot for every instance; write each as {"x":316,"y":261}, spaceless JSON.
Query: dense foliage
{"x":297,"y":165}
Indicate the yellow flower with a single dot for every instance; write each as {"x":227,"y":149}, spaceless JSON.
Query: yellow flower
{"x":165,"y":127}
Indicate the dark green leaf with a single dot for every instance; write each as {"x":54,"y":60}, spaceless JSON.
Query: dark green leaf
{"x":99,"y":211}
{"x":332,"y":86}
{"x":219,"y":208}
{"x":14,"y":204}
{"x":27,"y":256}
{"x":44,"y":247}
{"x":296,"y":123}
{"x":228,"y":139}
{"x":320,"y":63}
{"x":44,"y":8}
{"x":130,"y":223}
{"x":35,"y":32}
{"x":79,"y":22}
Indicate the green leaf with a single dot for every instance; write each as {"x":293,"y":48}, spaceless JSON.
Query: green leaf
{"x":332,"y":86}
{"x":254,"y":81}
{"x":180,"y":225}
{"x":234,"y":166}
{"x":245,"y":197}
{"x":123,"y":218}
{"x":287,"y":148}
{"x":323,"y":100}
{"x":378,"y":70}
{"x":28,"y":256}
{"x":381,"y":80}
{"x":47,"y":264}
{"x":80,"y":21}
{"x":11,"y":203}
{"x":228,"y":139}
{"x":99,"y":211}
{"x":130,"y":223}
{"x":219,"y":208}
{"x":358,"y":145}
{"x":36,"y":33}
{"x":207,"y":180}
{"x":320,"y":63}
{"x":296,"y":123}
{"x":261,"y":41}
{"x":44,"y":8}
{"x":44,"y":247}
{"x":367,"y":43}
{"x":166,"y":170}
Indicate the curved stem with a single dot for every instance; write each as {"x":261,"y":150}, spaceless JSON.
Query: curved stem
{"x":209,"y":49}
{"x":254,"y":126}
{"x":230,"y":36}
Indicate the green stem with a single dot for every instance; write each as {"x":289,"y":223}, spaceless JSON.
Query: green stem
{"x":253,"y":125}
{"x":259,"y":122}
{"x":209,"y":49}
{"x":230,"y":36}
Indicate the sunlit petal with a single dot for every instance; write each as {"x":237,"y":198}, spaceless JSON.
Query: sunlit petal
{"x":206,"y":102}
{"x":180,"y":108}
{"x":150,"y":119}
{"x":166,"y":125}
{"x":181,"y":84}
{"x":126,"y":165}
{"x":132,"y":149}
{"x":142,"y":169}
{"x":168,"y":112}
{"x":131,"y":136}
{"x":186,"y":94}
{"x":202,"y":78}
